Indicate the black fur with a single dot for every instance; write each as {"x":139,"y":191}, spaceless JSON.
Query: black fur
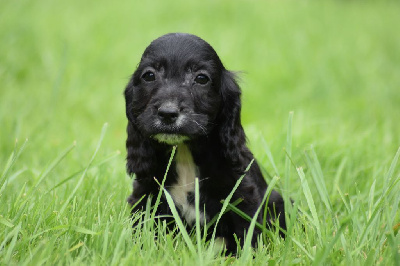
{"x":211,"y":126}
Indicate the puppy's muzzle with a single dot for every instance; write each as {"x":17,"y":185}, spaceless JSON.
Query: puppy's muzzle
{"x":168,"y":113}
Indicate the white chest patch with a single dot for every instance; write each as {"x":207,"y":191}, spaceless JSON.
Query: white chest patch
{"x":187,"y":171}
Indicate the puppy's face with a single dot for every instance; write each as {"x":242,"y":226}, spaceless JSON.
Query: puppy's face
{"x":174,"y":95}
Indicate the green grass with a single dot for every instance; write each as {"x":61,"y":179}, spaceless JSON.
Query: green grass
{"x":335,"y":64}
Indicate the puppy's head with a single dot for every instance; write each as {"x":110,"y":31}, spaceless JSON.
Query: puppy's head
{"x":178,"y":90}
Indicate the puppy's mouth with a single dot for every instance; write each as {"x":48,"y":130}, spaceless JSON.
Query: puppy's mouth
{"x":172,"y":131}
{"x":169,"y":132}
{"x":170,"y":139}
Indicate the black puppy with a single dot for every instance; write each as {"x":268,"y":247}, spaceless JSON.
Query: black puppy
{"x":181,"y":94}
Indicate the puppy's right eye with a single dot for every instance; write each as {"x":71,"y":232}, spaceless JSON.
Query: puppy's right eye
{"x":202,"y":79}
{"x":149,"y":76}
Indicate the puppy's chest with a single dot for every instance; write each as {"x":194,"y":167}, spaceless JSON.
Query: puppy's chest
{"x":183,"y":190}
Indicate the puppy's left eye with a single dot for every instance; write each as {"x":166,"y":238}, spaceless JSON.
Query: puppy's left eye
{"x":149,"y":76}
{"x":202,"y":79}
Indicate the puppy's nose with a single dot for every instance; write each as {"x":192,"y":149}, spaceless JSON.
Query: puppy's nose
{"x":168,"y":113}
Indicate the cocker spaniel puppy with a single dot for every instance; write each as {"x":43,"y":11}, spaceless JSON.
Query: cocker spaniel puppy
{"x":181,"y":95}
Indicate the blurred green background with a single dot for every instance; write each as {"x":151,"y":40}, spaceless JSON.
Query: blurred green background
{"x":335,"y":64}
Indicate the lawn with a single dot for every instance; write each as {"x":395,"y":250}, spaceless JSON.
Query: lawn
{"x":321,"y":109}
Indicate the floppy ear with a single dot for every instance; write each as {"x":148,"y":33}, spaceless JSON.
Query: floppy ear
{"x":129,"y":100}
{"x":231,"y":133}
{"x":140,"y":153}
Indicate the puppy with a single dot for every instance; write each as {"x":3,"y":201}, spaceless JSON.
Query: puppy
{"x":181,"y":95}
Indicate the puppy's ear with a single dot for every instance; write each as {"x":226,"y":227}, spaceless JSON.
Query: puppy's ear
{"x":140,"y":153}
{"x":128,"y":99}
{"x":231,"y":132}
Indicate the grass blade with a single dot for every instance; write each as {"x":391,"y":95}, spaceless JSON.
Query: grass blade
{"x":302,"y":248}
{"x":83,"y":230}
{"x":226,"y":202}
{"x":14,"y":234}
{"x":71,"y":195}
{"x":310,"y":202}
{"x":378,"y":208}
{"x":53,"y":164}
{"x":179,"y":223}
{"x":318,"y":178}
{"x":198,"y":229}
{"x":286,"y":187}
{"x":81,"y":171}
{"x":288,"y":151}
{"x":155,"y":205}
{"x":11,"y":161}
{"x":6,"y":222}
{"x":270,"y":157}
{"x":392,"y":167}
{"x":247,"y":244}
{"x":321,"y":256}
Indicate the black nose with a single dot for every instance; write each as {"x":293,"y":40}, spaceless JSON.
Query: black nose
{"x":168,"y":114}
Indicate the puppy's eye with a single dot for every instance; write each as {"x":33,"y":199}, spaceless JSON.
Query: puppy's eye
{"x":149,"y":76}
{"x":202,"y":79}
